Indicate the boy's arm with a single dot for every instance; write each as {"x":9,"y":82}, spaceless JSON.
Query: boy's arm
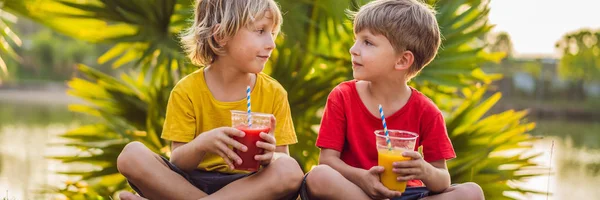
{"x":185,"y":156}
{"x":437,"y":148}
{"x":332,"y":158}
{"x":367,"y":180}
{"x":435,"y":175}
{"x":283,"y":149}
{"x":438,"y":179}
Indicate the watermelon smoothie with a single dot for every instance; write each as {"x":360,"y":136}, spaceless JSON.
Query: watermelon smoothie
{"x":252,"y":136}
{"x":261,"y":123}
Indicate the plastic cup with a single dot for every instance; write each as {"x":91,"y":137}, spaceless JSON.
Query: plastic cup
{"x":401,"y":141}
{"x":261,"y":122}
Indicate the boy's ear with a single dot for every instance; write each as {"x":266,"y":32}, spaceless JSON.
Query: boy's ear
{"x":220,"y":39}
{"x":405,"y":60}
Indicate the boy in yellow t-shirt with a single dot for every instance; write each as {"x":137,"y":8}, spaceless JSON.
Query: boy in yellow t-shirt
{"x":233,"y":39}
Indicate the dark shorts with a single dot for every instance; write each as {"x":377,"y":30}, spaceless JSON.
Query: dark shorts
{"x":411,"y":193}
{"x":208,"y":182}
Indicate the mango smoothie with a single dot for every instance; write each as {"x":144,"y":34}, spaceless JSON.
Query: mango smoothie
{"x":389,"y":150}
{"x":388,"y":177}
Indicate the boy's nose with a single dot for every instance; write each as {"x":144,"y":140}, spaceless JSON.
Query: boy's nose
{"x":353,"y":50}
{"x":270,"y":45}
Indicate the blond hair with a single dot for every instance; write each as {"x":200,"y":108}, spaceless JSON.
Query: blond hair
{"x":223,"y":19}
{"x":408,"y":25}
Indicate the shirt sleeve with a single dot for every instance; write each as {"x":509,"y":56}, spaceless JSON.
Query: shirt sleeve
{"x":332,"y":132}
{"x":284,"y":127}
{"x":436,"y":143}
{"x":180,"y":120}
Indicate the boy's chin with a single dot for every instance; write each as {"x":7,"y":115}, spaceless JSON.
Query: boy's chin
{"x":359,"y":76}
{"x":255,"y":69}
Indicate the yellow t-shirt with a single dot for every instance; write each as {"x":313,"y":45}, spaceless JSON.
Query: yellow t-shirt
{"x":192,"y":110}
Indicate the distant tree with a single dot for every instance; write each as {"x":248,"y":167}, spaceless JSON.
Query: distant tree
{"x":580,"y":60}
{"x":501,"y":42}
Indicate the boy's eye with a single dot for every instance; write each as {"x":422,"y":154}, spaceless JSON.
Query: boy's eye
{"x":368,"y":43}
{"x":260,"y":31}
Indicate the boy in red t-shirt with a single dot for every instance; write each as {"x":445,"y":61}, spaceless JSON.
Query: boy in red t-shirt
{"x":395,"y":39}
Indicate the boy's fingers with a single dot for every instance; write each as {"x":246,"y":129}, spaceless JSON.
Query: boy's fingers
{"x":229,"y":163}
{"x":391,"y":194}
{"x":266,"y":146}
{"x":273,"y":124}
{"x":229,"y":153}
{"x":226,"y":159}
{"x":268,"y":137}
{"x":412,"y":154}
{"x":406,"y":171}
{"x":383,"y":191}
{"x":406,"y":178}
{"x":234,"y":143}
{"x":376,"y":170}
{"x":233,"y":132}
{"x":405,"y":164}
{"x":264,"y":157}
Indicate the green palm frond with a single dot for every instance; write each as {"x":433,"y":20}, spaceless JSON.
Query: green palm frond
{"x":8,"y":39}
{"x":144,"y":32}
{"x":481,"y":143}
{"x":463,"y":23}
{"x":127,"y":105}
{"x":128,"y":109}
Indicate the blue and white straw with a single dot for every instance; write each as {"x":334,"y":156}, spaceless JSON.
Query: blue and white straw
{"x":387,"y":134}
{"x":249,"y":107}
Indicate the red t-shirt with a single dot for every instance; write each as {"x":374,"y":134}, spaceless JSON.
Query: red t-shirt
{"x":348,"y":127}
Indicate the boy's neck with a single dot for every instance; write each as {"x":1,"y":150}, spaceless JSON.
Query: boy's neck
{"x":388,"y":92}
{"x":227,"y":76}
{"x":227,"y":83}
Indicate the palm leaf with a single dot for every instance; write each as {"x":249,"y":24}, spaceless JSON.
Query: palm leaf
{"x":8,"y":39}
{"x":480,"y":143}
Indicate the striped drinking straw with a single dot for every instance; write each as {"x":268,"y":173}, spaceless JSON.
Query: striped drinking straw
{"x":249,"y":107}
{"x":387,"y":134}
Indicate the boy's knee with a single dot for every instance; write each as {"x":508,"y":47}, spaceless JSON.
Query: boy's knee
{"x":290,"y":169}
{"x":131,"y":158}
{"x":289,"y":173}
{"x":321,"y":173}
{"x":128,"y":196}
{"x":472,"y":191}
{"x":319,"y":178}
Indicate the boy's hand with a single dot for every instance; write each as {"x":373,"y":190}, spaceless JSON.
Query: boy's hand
{"x":372,"y":186}
{"x":218,"y":140}
{"x":416,"y":168}
{"x":269,"y":146}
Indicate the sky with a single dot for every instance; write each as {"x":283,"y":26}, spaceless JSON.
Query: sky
{"x":536,"y":25}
